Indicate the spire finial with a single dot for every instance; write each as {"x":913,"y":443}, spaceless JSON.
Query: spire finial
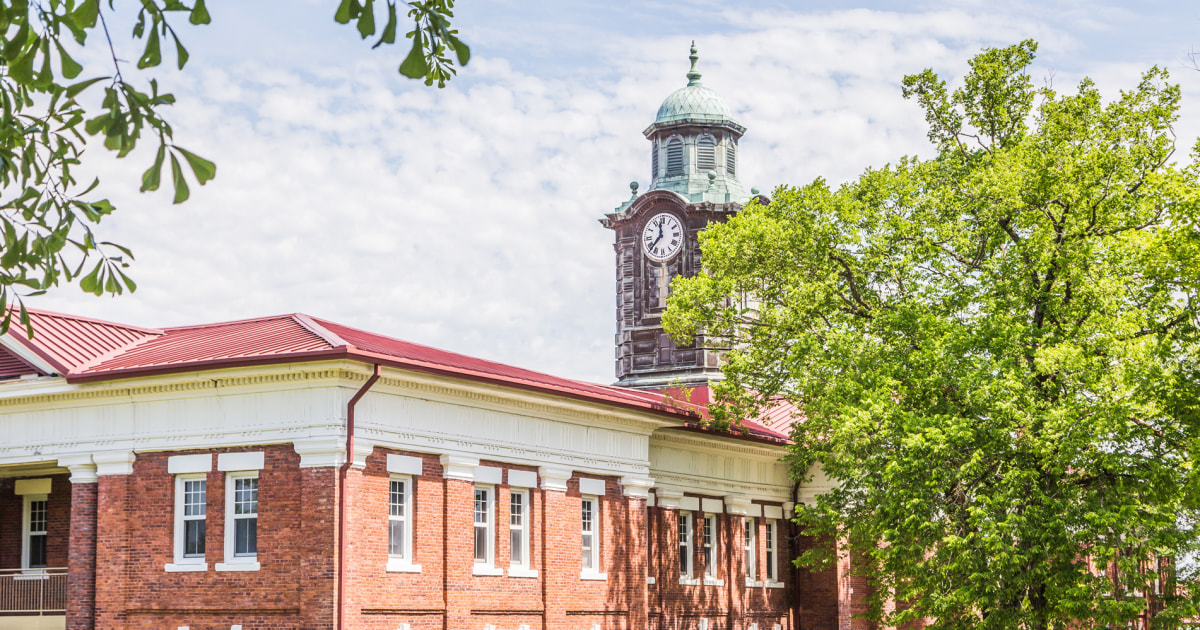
{"x":692,"y":75}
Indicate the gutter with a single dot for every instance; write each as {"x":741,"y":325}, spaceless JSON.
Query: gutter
{"x":794,"y":530}
{"x":341,"y":530}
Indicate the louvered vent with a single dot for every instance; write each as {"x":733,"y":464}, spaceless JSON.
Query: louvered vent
{"x":706,"y":154}
{"x":675,"y":157}
{"x":654,"y":161}
{"x":731,"y":159}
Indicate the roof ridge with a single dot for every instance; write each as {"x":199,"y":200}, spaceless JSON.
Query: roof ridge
{"x":94,"y":320}
{"x":328,"y":336}
{"x":231,"y":322}
{"x":97,"y":360}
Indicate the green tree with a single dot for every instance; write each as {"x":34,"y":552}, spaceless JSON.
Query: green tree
{"x":995,"y":350}
{"x":48,"y":218}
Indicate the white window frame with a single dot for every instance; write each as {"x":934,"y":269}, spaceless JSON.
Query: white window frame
{"x":772,"y":559}
{"x":686,"y":526}
{"x":487,"y":566}
{"x":27,"y":533}
{"x":711,"y":544}
{"x":234,"y":562}
{"x":750,"y":542}
{"x":180,"y":562}
{"x":402,"y":563}
{"x":594,"y":572}
{"x":519,"y":569}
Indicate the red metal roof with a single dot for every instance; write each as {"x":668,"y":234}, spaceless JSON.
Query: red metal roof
{"x":84,"y":349}
{"x":13,"y":366}
{"x":69,"y":343}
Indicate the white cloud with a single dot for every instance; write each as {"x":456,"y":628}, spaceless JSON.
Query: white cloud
{"x":466,"y":218}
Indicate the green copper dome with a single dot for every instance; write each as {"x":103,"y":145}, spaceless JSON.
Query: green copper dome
{"x":693,"y":102}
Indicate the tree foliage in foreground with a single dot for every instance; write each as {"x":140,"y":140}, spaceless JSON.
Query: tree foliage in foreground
{"x":996,"y":350}
{"x":48,"y":219}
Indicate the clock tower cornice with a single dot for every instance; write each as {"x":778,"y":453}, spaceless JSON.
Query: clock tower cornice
{"x":632,"y":210}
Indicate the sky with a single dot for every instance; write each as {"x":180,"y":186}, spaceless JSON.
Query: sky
{"x":467,"y":217}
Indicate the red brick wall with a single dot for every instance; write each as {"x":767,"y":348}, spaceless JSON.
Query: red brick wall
{"x":81,"y":579}
{"x":136,"y":541}
{"x":730,"y":607}
{"x":58,"y":513}
{"x":295,"y":587}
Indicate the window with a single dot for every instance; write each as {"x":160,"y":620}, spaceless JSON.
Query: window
{"x":675,"y":157}
{"x":706,"y":154}
{"x":710,"y":543}
{"x":654,"y":161}
{"x":241,"y":522}
{"x":483,"y":527}
{"x":518,"y":528}
{"x":748,"y":525}
{"x":588,"y":537}
{"x":33,"y":543}
{"x":191,"y":498}
{"x":685,"y":544}
{"x":772,"y":575}
{"x":730,"y":157}
{"x":399,"y":510}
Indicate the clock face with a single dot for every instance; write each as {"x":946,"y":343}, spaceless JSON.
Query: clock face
{"x":662,"y":237}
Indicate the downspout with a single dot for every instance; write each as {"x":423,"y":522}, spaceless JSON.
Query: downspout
{"x":794,"y":540}
{"x":341,"y":530}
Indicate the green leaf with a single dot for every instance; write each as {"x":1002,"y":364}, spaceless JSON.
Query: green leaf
{"x":86,"y":13}
{"x":150,"y":179}
{"x":22,"y":69}
{"x":70,"y":69}
{"x":203,"y":169}
{"x":153,"y":53}
{"x":415,"y":65}
{"x":181,"y":186}
{"x":460,"y":50}
{"x":181,"y":53}
{"x":91,"y":282}
{"x":74,"y":89}
{"x":342,"y":16}
{"x":389,"y":30}
{"x":366,"y":20}
{"x":199,"y":14}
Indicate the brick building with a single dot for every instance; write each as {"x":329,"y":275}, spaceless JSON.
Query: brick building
{"x":291,"y":472}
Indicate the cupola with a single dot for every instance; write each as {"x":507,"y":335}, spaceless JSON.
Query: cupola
{"x":694,"y":142}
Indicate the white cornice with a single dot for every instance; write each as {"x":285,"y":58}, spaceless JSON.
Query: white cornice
{"x":706,"y":442}
{"x":666,"y":482}
{"x":501,"y":398}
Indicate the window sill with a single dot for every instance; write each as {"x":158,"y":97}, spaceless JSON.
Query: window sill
{"x":238,"y":566}
{"x":522,"y":572}
{"x":480,"y":569}
{"x":753,"y":583}
{"x":31,"y":574}
{"x":686,"y":581}
{"x":710,"y":581}
{"x":592,"y":575}
{"x":402,"y":566}
{"x":650,"y":580}
{"x":185,"y":568}
{"x":774,"y":584}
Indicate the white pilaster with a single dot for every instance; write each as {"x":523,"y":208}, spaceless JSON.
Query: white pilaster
{"x":83,"y":469}
{"x":459,"y":467}
{"x":114,"y":462}
{"x":554,"y":478}
{"x":667,"y":499}
{"x":637,"y":487}
{"x":320,"y":452}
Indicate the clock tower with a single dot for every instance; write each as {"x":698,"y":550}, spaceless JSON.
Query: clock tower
{"x":693,"y":182}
